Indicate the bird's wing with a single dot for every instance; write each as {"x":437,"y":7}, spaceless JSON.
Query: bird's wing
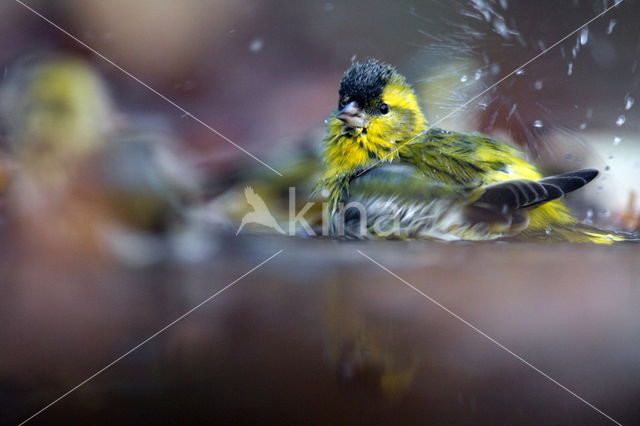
{"x":521,"y":193}
{"x":458,"y":158}
{"x":571,"y":181}
{"x":400,"y":182}
{"x":516,"y":194}
{"x":429,"y":204}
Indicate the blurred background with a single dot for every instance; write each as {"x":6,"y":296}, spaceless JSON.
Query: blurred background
{"x":118,"y":213}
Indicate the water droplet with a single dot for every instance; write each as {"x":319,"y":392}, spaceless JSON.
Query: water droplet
{"x":589,"y":113}
{"x":628,"y":102}
{"x":612,"y":25}
{"x":495,"y":69}
{"x":538,"y":85}
{"x":588,"y":219}
{"x":584,"y":36}
{"x":464,"y":78}
{"x":501,"y":28}
{"x":617,"y":140}
{"x":583,"y":126}
{"x":477,"y":75}
{"x":538,"y":124}
{"x":520,"y":72}
{"x":570,"y":69}
{"x":607,"y":168}
{"x":621,"y":119}
{"x":256,"y":45}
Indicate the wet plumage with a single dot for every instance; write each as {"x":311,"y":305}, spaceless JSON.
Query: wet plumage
{"x":406,"y":180}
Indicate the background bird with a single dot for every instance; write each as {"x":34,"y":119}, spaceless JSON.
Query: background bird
{"x":300,"y":163}
{"x":82,"y":170}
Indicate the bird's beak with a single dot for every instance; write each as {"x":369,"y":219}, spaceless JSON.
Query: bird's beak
{"x":353,"y":116}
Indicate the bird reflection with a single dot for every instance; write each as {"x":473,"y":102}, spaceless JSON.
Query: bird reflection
{"x":365,"y":350}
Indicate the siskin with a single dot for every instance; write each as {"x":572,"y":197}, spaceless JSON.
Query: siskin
{"x":57,"y":112}
{"x":84,"y":172}
{"x":56,"y":115}
{"x":388,"y":175}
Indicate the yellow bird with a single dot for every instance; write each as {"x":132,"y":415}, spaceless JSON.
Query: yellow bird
{"x":57,"y":112}
{"x":389,"y":175}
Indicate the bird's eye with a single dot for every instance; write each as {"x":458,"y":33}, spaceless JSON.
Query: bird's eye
{"x":384,"y":108}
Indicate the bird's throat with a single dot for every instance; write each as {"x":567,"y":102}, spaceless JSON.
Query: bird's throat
{"x":347,"y":153}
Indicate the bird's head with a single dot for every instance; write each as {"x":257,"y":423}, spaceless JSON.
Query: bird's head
{"x":377,"y":112}
{"x":57,"y":107}
{"x":377,"y":105}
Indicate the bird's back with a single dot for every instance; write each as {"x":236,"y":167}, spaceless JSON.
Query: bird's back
{"x":473,"y":160}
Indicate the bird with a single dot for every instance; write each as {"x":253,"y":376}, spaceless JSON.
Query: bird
{"x":298,"y":160}
{"x":387,"y":174}
{"x":56,"y":112}
{"x":260,"y":214}
{"x":83,"y":174}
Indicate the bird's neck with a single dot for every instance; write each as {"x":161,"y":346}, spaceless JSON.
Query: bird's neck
{"x":349,"y":152}
{"x":346,"y":154}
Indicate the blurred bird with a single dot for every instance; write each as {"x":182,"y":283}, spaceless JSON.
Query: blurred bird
{"x":411,"y":181}
{"x":56,"y":112}
{"x":147,"y":183}
{"x":300,"y":166}
{"x":82,"y":169}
